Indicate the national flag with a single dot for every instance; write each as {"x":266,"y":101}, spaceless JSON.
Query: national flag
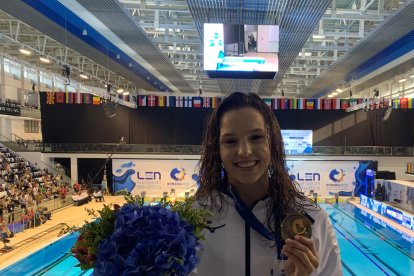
{"x":293,"y":104}
{"x":336,"y":103}
{"x":284,"y":103}
{"x":188,"y":102}
{"x":214,"y":102}
{"x":142,"y":100}
{"x":171,"y":101}
{"x":197,"y":102}
{"x":410,"y":102}
{"x":50,"y":98}
{"x":70,"y":97}
{"x":179,"y":101}
{"x":152,"y":101}
{"x":353,"y":102}
{"x":396,"y":103}
{"x":206,"y":102}
{"x":87,"y":98}
{"x":161,"y":100}
{"x":96,"y":100}
{"x":78,"y":97}
{"x":275,"y":103}
{"x":301,"y":103}
{"x":359,"y":101}
{"x":60,"y":97}
{"x":327,"y":104}
{"x":319,"y":103}
{"x":133,"y":99}
{"x":404,"y":103}
{"x":125,"y":97}
{"x":344,"y":104}
{"x":268,"y":102}
{"x":310,"y":104}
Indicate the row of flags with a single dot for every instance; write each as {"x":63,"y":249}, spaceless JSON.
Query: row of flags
{"x":212,"y":102}
{"x":71,"y":98}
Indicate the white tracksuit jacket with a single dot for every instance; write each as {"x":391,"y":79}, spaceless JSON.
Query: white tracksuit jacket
{"x":223,"y":252}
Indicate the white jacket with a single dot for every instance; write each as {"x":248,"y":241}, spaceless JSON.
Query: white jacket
{"x":223,"y":252}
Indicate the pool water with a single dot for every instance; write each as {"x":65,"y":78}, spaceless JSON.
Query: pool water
{"x":368,"y":247}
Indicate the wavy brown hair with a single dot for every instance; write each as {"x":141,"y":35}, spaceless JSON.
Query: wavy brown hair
{"x":284,"y":196}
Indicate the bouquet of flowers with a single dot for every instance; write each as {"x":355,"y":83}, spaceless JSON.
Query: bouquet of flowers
{"x":141,"y":240}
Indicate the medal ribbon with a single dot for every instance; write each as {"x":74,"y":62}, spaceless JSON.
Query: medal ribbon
{"x":248,"y":216}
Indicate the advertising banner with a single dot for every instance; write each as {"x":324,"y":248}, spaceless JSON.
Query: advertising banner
{"x":176,"y":177}
{"x":326,"y":177}
{"x":155,"y":177}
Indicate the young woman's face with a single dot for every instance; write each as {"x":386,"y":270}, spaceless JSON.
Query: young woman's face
{"x":244,"y":147}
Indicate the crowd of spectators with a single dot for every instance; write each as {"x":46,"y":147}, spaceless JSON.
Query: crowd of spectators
{"x":22,"y":190}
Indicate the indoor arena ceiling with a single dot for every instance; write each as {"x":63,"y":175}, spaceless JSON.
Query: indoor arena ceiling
{"x":156,"y":45}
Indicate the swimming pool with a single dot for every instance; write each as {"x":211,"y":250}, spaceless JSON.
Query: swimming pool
{"x":367,"y":247}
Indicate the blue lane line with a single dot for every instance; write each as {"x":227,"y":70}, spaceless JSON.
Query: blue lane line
{"x":359,"y":249}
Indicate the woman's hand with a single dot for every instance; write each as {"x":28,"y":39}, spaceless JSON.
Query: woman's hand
{"x":302,"y":256}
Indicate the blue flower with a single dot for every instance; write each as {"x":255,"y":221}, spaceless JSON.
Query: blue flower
{"x":149,"y":240}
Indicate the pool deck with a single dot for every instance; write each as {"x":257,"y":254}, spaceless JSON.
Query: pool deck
{"x":388,"y":221}
{"x":71,"y":215}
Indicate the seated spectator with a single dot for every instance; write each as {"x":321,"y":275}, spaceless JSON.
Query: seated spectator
{"x":98,"y":195}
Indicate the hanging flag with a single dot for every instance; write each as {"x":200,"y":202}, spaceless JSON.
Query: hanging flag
{"x":161,"y":100}
{"x":70,"y":97}
{"x":284,"y":103}
{"x":197,"y":102}
{"x":179,"y":101}
{"x":125,"y":97}
{"x":60,"y":97}
{"x":344,"y":104}
{"x":404,"y":103}
{"x":78,"y":97}
{"x":188,"y":102}
{"x":410,"y":102}
{"x":396,"y":103}
{"x":214,"y":102}
{"x":96,"y":100}
{"x":171,"y":101}
{"x":268,"y":102}
{"x":142,"y":100}
{"x":336,"y":103}
{"x":293,"y":104}
{"x":87,"y":98}
{"x":151,"y":100}
{"x":275,"y":103}
{"x":310,"y":104}
{"x":206,"y":102}
{"x":50,"y":98}
{"x":301,"y":103}
{"x":353,"y":102}
{"x":319,"y":104}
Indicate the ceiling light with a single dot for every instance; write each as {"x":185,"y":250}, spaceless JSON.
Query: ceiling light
{"x":83,"y":76}
{"x":330,"y":96}
{"x":334,"y":93}
{"x":307,"y":54}
{"x":44,"y":59}
{"x":25,"y":51}
{"x":339,"y":90}
{"x":126,"y":93}
{"x":318,"y":36}
{"x":402,"y":80}
{"x":120,"y":90}
{"x":412,"y":77}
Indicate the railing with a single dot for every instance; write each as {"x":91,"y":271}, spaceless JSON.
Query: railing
{"x":17,"y":220}
{"x":196,"y":149}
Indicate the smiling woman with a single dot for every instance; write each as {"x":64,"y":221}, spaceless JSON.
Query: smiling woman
{"x":244,"y":182}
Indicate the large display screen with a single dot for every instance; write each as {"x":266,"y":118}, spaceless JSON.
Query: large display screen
{"x":297,"y":141}
{"x":241,"y":51}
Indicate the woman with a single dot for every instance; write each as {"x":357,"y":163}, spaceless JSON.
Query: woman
{"x":243,"y":181}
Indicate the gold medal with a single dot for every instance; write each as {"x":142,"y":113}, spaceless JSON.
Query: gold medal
{"x":296,"y":224}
